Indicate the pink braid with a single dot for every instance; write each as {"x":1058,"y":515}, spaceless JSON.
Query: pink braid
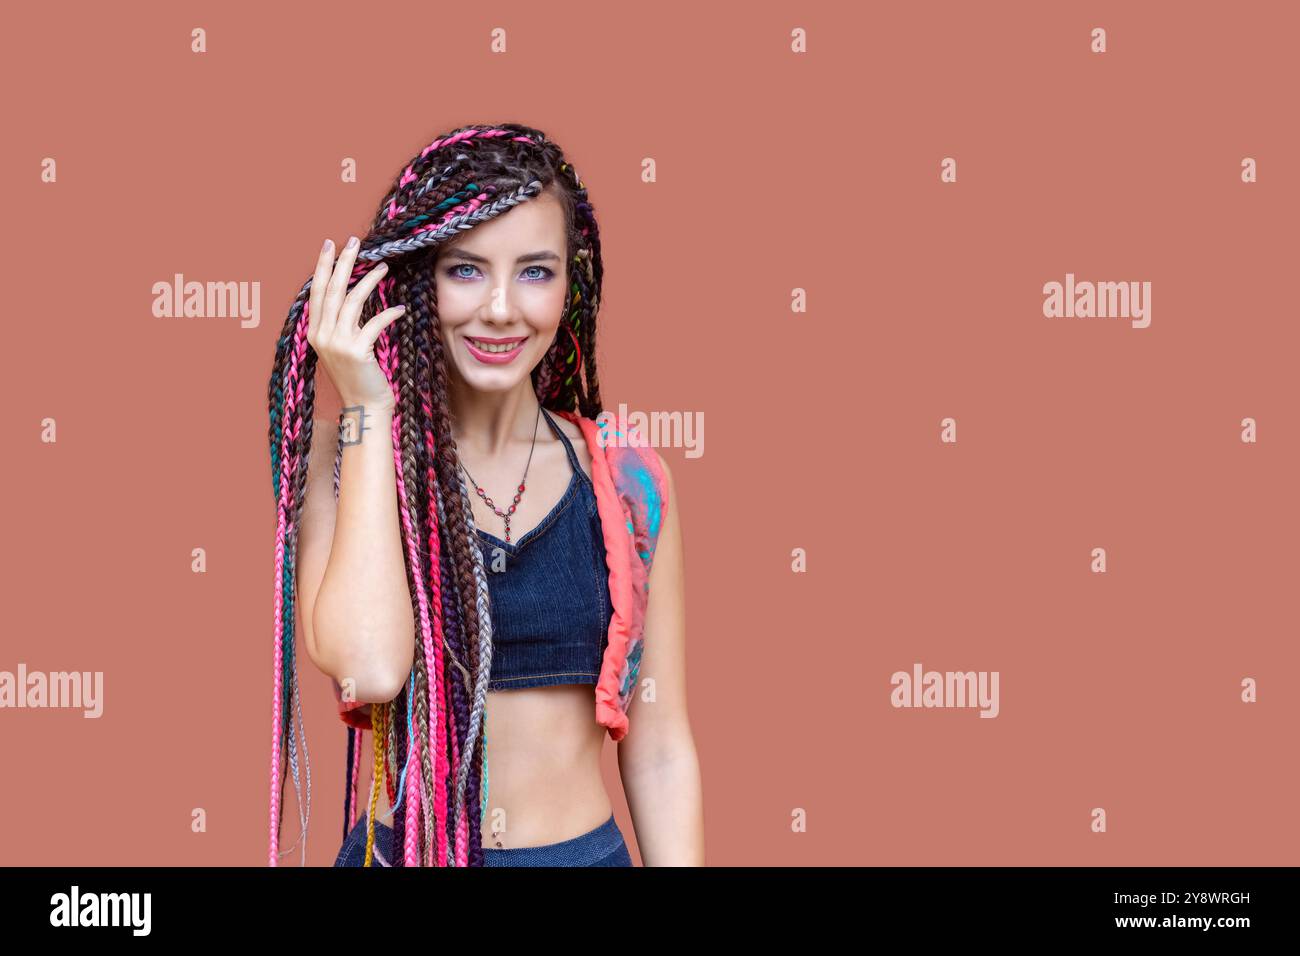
{"x":288,"y":465}
{"x":435,"y":564}
{"x":389,"y":358}
{"x":356,"y":779}
{"x":408,"y":175}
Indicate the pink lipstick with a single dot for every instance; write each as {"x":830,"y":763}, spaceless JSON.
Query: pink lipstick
{"x":500,"y":357}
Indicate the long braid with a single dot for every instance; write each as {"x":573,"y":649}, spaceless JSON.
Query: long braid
{"x":476,"y":750}
{"x":398,"y":364}
{"x":558,"y":378}
{"x":377,"y":777}
{"x":464,"y":616}
{"x":289,"y":398}
{"x":430,"y":742}
{"x":389,"y":360}
{"x":433,"y":762}
{"x":474,"y":611}
{"x":455,"y":719}
{"x":414,"y":477}
{"x":403,"y":753}
{"x":588,"y":277}
{"x":456,"y":650}
{"x":417,"y":796}
{"x":457,"y":517}
{"x":392,"y":768}
{"x":298,"y":730}
{"x":422,"y":296}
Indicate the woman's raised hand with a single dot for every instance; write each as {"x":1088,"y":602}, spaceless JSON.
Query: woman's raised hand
{"x":344,"y":348}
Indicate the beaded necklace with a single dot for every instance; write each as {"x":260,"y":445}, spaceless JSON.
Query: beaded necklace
{"x":505,"y":515}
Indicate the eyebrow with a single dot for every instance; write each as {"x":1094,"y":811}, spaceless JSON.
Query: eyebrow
{"x":544,"y":256}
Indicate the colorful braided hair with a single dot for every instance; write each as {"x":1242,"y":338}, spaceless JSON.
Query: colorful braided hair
{"x":430,"y":743}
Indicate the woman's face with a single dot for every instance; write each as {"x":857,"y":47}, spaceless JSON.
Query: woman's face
{"x":501,"y":292}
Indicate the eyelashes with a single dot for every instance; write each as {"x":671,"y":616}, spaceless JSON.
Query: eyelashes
{"x":452,"y":273}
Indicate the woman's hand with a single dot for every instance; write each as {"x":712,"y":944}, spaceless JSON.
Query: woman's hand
{"x":344,"y":348}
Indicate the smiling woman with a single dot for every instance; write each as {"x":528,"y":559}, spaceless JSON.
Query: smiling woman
{"x":500,"y":299}
{"x":459,"y":335}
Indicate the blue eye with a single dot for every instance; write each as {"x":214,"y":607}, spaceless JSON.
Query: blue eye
{"x":454,"y":274}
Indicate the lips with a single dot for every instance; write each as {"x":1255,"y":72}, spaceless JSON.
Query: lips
{"x":477,"y":348}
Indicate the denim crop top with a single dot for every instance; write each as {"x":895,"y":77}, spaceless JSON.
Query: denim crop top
{"x":549,"y":592}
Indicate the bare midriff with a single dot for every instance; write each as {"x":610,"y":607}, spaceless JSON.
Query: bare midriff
{"x":544,"y":778}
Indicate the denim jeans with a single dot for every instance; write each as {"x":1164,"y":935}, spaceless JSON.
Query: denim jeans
{"x":603,"y":846}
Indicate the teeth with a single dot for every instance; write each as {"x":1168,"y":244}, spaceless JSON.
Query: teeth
{"x":497,"y":347}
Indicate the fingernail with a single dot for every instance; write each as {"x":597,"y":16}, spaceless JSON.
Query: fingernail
{"x":352,"y":243}
{"x":329,"y":244}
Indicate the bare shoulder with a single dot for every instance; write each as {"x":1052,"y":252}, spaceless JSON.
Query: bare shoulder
{"x":579,"y":441}
{"x":569,"y":428}
{"x":576,"y":436}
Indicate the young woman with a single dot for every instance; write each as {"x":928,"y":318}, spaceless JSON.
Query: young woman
{"x":485,"y":558}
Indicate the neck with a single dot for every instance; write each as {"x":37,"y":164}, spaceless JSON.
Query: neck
{"x":488,"y":422}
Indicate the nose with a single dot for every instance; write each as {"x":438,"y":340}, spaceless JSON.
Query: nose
{"x":501,"y":305}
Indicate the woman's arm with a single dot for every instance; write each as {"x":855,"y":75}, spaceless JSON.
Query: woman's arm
{"x":657,"y":760}
{"x":353,"y":600}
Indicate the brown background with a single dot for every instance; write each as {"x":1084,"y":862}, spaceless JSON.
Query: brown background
{"x":776,"y":171}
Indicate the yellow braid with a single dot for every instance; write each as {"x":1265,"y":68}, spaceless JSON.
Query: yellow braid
{"x":378,"y":716}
